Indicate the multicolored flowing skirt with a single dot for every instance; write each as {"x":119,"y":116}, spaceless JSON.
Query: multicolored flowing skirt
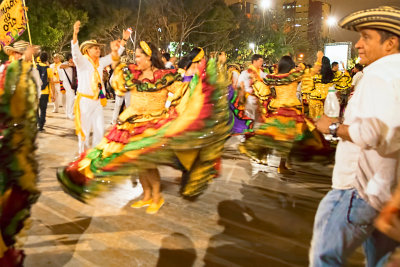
{"x":18,"y":168}
{"x":188,"y":136}
{"x":241,"y":123}
{"x":279,"y":131}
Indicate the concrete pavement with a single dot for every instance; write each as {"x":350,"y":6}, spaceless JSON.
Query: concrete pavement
{"x":241,"y":220}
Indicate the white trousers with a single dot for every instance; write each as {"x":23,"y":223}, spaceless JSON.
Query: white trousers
{"x":251,"y":106}
{"x":59,"y":97}
{"x":92,"y":120}
{"x":118,"y":103}
{"x":69,"y":103}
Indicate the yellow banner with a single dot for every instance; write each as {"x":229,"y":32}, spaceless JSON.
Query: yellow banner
{"x":12,"y":20}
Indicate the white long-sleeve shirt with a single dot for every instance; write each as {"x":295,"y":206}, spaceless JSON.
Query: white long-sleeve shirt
{"x":370,"y":162}
{"x":62,"y":73}
{"x":85,"y":69}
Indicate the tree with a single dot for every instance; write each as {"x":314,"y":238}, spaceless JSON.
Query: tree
{"x":51,"y":23}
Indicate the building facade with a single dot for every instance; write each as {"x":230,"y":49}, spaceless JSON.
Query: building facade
{"x":309,"y":17}
{"x":249,"y":7}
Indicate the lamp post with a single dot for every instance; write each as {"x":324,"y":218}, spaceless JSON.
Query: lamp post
{"x":331,"y":22}
{"x":252,"y":46}
{"x":265,"y":4}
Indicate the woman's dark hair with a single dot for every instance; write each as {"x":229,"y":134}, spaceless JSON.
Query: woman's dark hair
{"x":286,"y":64}
{"x":155,"y":58}
{"x":326,"y":70}
{"x":187,"y":61}
{"x":183,"y":63}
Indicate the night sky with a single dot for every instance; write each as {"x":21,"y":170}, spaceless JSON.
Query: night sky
{"x":341,"y":8}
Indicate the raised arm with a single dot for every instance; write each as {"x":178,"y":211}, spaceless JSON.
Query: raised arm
{"x":76,"y":52}
{"x":317,"y":65}
{"x":120,"y":44}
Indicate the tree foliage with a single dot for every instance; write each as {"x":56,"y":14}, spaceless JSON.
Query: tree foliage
{"x":185,"y":23}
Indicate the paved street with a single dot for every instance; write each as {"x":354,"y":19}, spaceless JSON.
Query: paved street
{"x":241,"y":220}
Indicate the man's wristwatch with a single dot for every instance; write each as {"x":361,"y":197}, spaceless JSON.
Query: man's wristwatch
{"x":333,"y":128}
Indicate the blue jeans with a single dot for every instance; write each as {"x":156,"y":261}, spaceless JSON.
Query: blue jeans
{"x":343,"y":222}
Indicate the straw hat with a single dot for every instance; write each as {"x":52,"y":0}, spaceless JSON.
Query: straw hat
{"x":60,"y":56}
{"x":18,"y":47}
{"x":234,"y":65}
{"x":382,"y":18}
{"x":87,"y":44}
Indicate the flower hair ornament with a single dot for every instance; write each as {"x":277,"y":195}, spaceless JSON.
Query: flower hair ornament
{"x":146,"y":48}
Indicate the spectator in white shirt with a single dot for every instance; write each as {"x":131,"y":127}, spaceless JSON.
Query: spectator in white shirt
{"x":66,"y":74}
{"x":367,"y":157}
{"x":358,"y":70}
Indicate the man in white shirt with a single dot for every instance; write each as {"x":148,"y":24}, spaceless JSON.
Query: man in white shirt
{"x":358,"y":70}
{"x":90,"y":93}
{"x":367,"y":157}
{"x":246,"y":80}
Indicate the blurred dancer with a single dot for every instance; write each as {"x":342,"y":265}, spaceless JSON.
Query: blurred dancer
{"x":283,"y":122}
{"x":18,"y":168}
{"x":178,"y":123}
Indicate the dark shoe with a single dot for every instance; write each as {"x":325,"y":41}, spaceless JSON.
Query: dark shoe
{"x":285,"y":171}
{"x":41,"y":130}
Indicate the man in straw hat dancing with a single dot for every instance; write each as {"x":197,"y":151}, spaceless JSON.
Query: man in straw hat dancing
{"x":367,"y":157}
{"x":91,"y":95}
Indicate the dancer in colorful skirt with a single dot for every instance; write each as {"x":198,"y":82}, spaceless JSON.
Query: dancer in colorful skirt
{"x":175,"y":122}
{"x":18,"y":168}
{"x":242,"y":124}
{"x":283,"y":122}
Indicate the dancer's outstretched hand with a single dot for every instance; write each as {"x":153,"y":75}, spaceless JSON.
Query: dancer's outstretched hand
{"x":114,"y":45}
{"x":77,"y":26}
{"x":126,"y":34}
{"x":320,"y":55}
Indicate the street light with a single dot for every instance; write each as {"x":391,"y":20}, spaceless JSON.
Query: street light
{"x":331,"y":21}
{"x":252,"y":46}
{"x":265,"y":4}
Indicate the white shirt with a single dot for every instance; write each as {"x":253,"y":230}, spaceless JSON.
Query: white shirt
{"x":63,"y":77}
{"x":246,"y":79}
{"x":369,"y":163}
{"x":55,"y":71}
{"x":356,"y":78}
{"x":85,"y":69}
{"x":169,"y":65}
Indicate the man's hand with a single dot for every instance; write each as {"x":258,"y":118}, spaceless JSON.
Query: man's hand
{"x":324,"y":122}
{"x":114,"y":45}
{"x":388,"y":221}
{"x":320,"y":55}
{"x":53,"y":98}
{"x":126,"y":34}
{"x":77,"y":26}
